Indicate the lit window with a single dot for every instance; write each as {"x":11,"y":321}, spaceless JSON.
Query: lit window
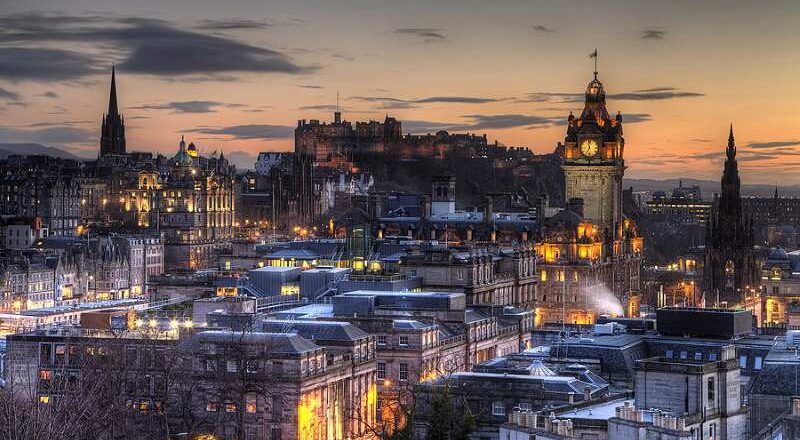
{"x":44,"y":399}
{"x":498,"y":408}
{"x":381,"y":370}
{"x":743,"y":361}
{"x":250,"y":403}
{"x":212,"y":406}
{"x":758,"y":361}
{"x":230,"y":407}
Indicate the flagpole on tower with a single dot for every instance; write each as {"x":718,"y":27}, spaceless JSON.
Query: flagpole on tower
{"x":594,"y":55}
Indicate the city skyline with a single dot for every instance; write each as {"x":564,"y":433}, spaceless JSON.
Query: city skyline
{"x":679,"y":74}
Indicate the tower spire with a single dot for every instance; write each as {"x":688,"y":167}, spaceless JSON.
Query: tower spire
{"x":112,"y":100}
{"x":731,"y":150}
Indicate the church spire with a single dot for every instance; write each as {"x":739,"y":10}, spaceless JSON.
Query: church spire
{"x":112,"y":135}
{"x":112,"y":100}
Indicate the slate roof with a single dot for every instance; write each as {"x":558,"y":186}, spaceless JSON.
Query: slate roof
{"x":313,"y":330}
{"x":288,"y":343}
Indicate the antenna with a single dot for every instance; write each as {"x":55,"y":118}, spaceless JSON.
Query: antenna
{"x":337,"y":100}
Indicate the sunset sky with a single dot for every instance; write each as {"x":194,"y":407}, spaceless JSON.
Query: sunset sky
{"x":237,"y":75}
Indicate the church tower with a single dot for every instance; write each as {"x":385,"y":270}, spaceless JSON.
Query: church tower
{"x":730,"y":266}
{"x":112,"y":132}
{"x":593,"y":161}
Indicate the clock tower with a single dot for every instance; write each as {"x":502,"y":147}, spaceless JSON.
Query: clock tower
{"x":593,"y":161}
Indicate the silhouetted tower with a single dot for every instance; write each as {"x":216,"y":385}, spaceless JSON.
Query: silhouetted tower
{"x":730,"y":265}
{"x":112,"y":132}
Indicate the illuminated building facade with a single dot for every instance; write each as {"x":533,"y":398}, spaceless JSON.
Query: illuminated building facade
{"x":290,"y":387}
{"x":590,"y":254}
{"x":192,"y":204}
{"x":777,"y":301}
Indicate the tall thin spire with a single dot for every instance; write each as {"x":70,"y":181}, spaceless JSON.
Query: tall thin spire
{"x":731,"y":150}
{"x":112,"y":135}
{"x":112,"y":100}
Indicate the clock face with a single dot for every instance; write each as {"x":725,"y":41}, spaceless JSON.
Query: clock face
{"x":589,"y":147}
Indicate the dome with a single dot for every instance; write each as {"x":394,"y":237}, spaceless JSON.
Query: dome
{"x":182,"y":157}
{"x":191,"y":150}
{"x":537,"y":368}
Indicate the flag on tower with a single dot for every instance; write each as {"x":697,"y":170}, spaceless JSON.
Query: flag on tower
{"x":593,"y":54}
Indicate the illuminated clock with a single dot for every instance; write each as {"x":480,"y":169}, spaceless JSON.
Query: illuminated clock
{"x":589,"y":147}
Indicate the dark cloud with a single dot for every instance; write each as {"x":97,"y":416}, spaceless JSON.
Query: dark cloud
{"x":326,"y":107}
{"x":542,"y":29}
{"x":653,"y":34}
{"x":59,"y":134}
{"x":633,"y":118}
{"x":428,"y":35}
{"x":42,"y":64}
{"x":342,"y":56}
{"x":395,"y":103}
{"x":8,"y":94}
{"x":482,"y":122}
{"x":49,"y":94}
{"x":654,"y":95}
{"x":233,"y":24}
{"x":188,"y":106}
{"x":457,"y":99}
{"x":309,"y":86}
{"x":773,"y":144}
{"x":145,"y":46}
{"x":250,"y":131}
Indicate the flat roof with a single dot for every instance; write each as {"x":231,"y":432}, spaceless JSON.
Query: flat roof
{"x":599,"y":411}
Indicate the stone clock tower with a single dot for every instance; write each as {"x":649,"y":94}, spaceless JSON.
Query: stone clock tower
{"x":593,"y":161}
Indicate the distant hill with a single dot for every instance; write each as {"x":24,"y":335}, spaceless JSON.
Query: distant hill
{"x":8,"y":149}
{"x":241,"y":159}
{"x":709,"y":187}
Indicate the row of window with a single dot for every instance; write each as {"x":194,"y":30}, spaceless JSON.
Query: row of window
{"x":402,"y":372}
{"x":250,"y":405}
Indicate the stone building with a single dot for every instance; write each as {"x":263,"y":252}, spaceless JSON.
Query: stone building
{"x":252,"y":385}
{"x":707,"y":395}
{"x":109,"y":268}
{"x":487,"y":276}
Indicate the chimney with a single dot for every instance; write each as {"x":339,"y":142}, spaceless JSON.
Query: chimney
{"x":575,"y":205}
{"x":337,"y":117}
{"x":426,"y":206}
{"x":375,"y":205}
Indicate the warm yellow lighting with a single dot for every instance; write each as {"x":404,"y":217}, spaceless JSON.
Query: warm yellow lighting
{"x":153,"y":323}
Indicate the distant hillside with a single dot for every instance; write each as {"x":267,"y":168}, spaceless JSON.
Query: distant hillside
{"x":8,"y":149}
{"x":709,"y":187}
